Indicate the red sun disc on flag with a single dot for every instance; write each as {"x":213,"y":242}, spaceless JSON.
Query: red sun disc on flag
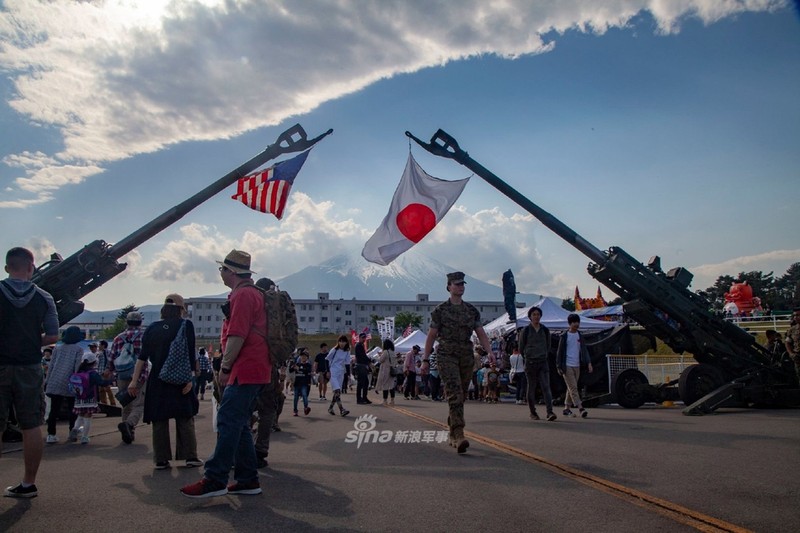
{"x":415,"y":221}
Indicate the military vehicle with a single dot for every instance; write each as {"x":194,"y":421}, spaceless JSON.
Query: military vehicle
{"x":732,"y":370}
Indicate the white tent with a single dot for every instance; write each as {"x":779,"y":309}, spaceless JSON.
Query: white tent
{"x":374,"y":353}
{"x":404,"y":344}
{"x":553,"y":316}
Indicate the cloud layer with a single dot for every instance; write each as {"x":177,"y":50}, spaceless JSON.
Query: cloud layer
{"x":120,"y":78}
{"x":312,"y":232}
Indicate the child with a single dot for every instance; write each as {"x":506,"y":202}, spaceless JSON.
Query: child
{"x":302,"y":381}
{"x":492,"y":381}
{"x":85,"y":389}
{"x":483,"y":382}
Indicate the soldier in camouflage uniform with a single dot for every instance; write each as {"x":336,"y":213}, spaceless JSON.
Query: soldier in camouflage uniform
{"x":793,"y":340}
{"x":452,"y":324}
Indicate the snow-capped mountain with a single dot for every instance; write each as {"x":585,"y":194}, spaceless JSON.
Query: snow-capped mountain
{"x":350,"y":276}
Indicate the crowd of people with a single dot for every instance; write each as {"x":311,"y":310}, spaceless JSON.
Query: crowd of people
{"x":161,"y":374}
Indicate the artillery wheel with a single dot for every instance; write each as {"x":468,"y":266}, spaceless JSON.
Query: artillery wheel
{"x":698,"y":380}
{"x":628,"y":388}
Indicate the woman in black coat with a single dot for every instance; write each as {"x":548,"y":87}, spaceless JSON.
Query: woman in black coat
{"x":164,"y":401}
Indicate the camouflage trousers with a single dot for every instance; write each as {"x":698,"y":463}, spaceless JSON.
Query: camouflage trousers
{"x":455,"y":371}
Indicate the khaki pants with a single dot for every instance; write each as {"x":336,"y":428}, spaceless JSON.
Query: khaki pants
{"x":132,"y":412}
{"x":573,"y":397}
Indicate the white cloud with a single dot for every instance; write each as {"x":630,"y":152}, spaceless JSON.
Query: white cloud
{"x":122,"y":77}
{"x":777,"y":261}
{"x":312,"y":232}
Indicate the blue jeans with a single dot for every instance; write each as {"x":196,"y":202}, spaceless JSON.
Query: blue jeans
{"x":234,"y":438}
{"x":300,"y":390}
{"x":522,"y":384}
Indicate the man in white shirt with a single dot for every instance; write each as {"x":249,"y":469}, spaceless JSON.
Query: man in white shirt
{"x":572,"y":353}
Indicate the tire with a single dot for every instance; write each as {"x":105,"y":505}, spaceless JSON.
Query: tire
{"x":629,"y":388}
{"x":698,"y":380}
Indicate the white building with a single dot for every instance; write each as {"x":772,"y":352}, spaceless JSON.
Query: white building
{"x":323,"y":315}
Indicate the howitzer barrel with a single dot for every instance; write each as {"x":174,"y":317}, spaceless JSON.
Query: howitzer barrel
{"x":661,"y":302}
{"x":70,"y":279}
{"x":445,"y":145}
{"x":286,"y":143}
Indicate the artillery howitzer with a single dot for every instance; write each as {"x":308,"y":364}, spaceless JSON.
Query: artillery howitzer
{"x":732,"y":369}
{"x":69,"y":280}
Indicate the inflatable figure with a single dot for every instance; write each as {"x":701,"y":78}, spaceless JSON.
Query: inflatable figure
{"x":741,"y":294}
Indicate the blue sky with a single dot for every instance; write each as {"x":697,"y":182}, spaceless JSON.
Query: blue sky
{"x":664,"y":128}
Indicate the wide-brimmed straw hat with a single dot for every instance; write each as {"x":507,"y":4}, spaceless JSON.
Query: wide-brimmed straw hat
{"x":237,"y":261}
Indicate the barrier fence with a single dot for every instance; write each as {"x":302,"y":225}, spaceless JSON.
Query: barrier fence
{"x":656,"y":368}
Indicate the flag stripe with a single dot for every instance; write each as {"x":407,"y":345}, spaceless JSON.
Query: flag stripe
{"x":268,"y":190}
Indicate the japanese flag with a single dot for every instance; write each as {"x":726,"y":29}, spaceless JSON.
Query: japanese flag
{"x":419,"y":203}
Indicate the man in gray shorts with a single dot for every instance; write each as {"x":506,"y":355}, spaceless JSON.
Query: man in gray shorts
{"x":25,"y":312}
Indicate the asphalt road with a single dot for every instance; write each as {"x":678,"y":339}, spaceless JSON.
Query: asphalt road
{"x":648,"y":469}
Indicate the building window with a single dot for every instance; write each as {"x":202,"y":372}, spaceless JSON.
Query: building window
{"x":362,"y":307}
{"x":348,"y":313}
{"x":302,"y":319}
{"x":324,"y":319}
{"x":311,"y":319}
{"x":324,"y":307}
{"x":348,"y":322}
{"x":338,"y":319}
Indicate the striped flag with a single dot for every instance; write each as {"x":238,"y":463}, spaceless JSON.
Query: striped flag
{"x":267,"y":190}
{"x":407,"y":331}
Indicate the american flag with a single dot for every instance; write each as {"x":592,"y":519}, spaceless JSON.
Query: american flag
{"x":267,"y":190}
{"x":407,"y":331}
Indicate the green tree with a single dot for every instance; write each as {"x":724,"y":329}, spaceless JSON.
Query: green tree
{"x":119,"y":324}
{"x":568,"y":304}
{"x":716,"y":293}
{"x":616,"y":301}
{"x":373,"y":320}
{"x":405,"y":318}
{"x":787,"y":289}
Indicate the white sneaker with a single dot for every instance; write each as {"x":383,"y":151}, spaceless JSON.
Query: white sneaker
{"x":51,"y":439}
{"x":73,"y":434}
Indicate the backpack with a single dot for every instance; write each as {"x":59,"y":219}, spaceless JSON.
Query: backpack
{"x":126,"y":360}
{"x":80,"y":386}
{"x":492,"y":377}
{"x":177,"y":367}
{"x":281,"y":324}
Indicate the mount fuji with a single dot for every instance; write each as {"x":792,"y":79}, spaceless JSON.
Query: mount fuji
{"x":350,"y":276}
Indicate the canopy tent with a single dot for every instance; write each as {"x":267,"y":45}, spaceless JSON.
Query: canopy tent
{"x":374,"y":353}
{"x":553,"y":316}
{"x":404,"y":344}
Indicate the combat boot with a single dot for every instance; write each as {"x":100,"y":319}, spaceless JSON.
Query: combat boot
{"x":459,"y":442}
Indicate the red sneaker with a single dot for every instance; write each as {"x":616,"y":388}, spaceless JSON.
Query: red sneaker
{"x":205,"y":488}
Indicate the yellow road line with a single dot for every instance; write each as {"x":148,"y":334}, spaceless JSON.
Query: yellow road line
{"x":684,"y":515}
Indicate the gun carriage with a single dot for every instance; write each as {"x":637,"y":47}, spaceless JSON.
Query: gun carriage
{"x":732,"y":368}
